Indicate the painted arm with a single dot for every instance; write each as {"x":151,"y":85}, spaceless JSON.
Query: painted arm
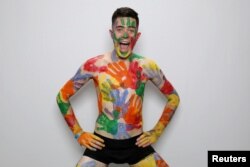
{"x":82,"y":76}
{"x":157,"y":77}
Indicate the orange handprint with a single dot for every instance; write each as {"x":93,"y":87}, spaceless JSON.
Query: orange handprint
{"x":133,"y":115}
{"x":120,"y":72}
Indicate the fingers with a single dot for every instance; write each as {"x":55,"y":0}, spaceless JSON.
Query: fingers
{"x":95,"y":145}
{"x":90,"y":148}
{"x":118,"y":67}
{"x":91,"y":141}
{"x":98,"y":138}
{"x":139,"y":103}
{"x":141,"y":137}
{"x":122,"y":64}
{"x":146,"y":144}
{"x":143,"y":142}
{"x":131,"y":100}
{"x":112,"y":67}
{"x":98,"y":141}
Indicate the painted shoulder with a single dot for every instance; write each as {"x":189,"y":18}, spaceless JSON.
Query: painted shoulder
{"x":137,"y":57}
{"x":95,"y":64}
{"x":146,"y":61}
{"x":94,"y":59}
{"x":99,"y":60}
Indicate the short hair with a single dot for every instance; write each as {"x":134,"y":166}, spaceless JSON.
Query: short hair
{"x":125,"y":12}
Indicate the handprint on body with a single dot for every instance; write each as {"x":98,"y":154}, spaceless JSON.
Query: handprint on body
{"x":139,"y":77}
{"x":106,"y":91}
{"x":133,"y":116}
{"x":131,"y":77}
{"x":153,"y":72}
{"x":107,"y":124}
{"x":108,"y":120}
{"x":122,"y":131}
{"x":91,"y":66}
{"x":119,"y":71}
{"x":112,"y":126}
{"x":119,"y":103}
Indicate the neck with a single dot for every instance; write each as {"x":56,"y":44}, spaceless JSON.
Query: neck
{"x":115,"y":57}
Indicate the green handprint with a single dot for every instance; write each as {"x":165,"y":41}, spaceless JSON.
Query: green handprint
{"x":108,"y":125}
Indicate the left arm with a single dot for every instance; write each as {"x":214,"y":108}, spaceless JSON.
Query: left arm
{"x":155,"y":74}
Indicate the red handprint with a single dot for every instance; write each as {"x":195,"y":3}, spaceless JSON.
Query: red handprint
{"x":92,"y":67}
{"x":127,"y":77}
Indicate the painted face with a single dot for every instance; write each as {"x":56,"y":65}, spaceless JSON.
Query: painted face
{"x":124,"y":34}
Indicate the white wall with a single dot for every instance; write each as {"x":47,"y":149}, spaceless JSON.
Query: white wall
{"x":202,"y":46}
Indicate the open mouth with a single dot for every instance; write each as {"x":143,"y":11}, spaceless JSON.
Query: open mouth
{"x":124,"y":46}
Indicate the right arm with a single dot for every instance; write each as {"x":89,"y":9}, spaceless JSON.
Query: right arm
{"x":71,"y":87}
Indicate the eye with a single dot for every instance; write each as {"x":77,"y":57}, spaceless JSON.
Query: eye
{"x":131,"y":30}
{"x":119,"y":29}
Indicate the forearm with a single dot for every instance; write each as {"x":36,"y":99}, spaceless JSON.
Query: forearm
{"x":169,"y":110}
{"x":66,"y":109}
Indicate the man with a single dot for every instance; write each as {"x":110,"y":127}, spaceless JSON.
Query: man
{"x":119,"y":78}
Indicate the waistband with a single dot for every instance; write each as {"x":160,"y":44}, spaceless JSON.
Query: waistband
{"x":116,"y":144}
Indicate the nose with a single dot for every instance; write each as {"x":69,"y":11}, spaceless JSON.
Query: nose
{"x":125,"y":34}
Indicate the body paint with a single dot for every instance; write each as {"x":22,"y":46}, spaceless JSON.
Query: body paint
{"x":122,"y":132}
{"x":128,"y":29}
{"x":120,"y":87}
{"x":108,"y":125}
{"x":133,"y":115}
{"x":119,"y":84}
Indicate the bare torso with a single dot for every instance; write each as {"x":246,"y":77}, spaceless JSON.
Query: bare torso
{"x":120,"y":86}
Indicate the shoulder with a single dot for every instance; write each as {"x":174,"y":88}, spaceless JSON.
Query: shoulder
{"x":98,"y":63}
{"x":98,"y":60}
{"x":95,"y":63}
{"x":137,"y":57}
{"x":147,"y":62}
{"x":94,"y":59}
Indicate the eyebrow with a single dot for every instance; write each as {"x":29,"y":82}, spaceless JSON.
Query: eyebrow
{"x":119,"y":26}
{"x":131,"y":27}
{"x":124,"y":26}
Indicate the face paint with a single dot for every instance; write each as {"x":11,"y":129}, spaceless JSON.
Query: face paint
{"x":124,"y":36}
{"x":122,"y":21}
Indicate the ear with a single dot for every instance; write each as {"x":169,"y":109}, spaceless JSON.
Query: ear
{"x":111,"y":33}
{"x":138,"y":36}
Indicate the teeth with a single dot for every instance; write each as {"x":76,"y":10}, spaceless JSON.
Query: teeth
{"x":124,"y":43}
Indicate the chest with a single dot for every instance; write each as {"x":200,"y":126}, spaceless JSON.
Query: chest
{"x":122,"y":74}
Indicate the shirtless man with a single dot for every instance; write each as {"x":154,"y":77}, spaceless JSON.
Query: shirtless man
{"x":119,"y":77}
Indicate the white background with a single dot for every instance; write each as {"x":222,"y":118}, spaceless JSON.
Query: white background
{"x":203,"y":47}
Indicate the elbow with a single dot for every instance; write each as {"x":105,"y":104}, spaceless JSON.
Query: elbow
{"x":62,"y":104}
{"x":177,"y":99}
{"x":173,"y":99}
{"x":58,"y":97}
